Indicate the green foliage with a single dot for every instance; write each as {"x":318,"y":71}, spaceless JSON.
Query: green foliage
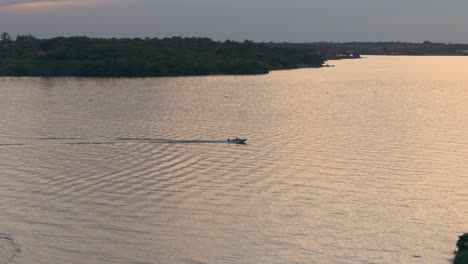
{"x":462,"y":242}
{"x":82,"y":56}
{"x":461,"y":256}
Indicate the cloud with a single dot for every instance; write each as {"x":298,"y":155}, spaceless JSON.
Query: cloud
{"x":19,"y":2}
{"x":40,"y":4}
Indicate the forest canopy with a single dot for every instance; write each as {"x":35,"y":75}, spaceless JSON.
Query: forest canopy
{"x":149,"y":57}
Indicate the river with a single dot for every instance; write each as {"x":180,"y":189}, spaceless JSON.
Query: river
{"x":364,"y":162}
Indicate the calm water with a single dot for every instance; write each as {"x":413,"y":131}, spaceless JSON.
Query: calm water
{"x":366,"y":162}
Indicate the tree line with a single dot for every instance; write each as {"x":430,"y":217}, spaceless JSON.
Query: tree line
{"x":425,"y":48}
{"x":136,"y":57}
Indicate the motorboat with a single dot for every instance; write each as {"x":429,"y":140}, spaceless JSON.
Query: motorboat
{"x":237,"y":140}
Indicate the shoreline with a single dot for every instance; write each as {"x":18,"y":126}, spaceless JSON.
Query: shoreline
{"x":166,"y":76}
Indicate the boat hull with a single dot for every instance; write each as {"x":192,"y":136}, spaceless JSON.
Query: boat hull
{"x":237,"y":141}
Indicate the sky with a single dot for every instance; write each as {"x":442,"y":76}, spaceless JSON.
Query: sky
{"x":258,"y":20}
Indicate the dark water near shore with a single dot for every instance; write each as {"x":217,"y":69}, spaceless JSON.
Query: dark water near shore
{"x":366,"y":162}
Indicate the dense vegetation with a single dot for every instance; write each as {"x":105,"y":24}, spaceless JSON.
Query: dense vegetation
{"x":83,"y":56}
{"x":384,"y":48}
{"x":461,"y":255}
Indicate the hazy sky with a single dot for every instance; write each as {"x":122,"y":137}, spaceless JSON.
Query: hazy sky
{"x":259,"y":20}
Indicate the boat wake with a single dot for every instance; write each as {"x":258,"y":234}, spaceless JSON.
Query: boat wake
{"x":103,"y":141}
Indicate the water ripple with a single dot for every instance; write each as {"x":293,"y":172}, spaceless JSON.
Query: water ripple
{"x":362,"y":163}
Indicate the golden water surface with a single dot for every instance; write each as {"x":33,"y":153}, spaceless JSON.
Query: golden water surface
{"x":365,"y":162}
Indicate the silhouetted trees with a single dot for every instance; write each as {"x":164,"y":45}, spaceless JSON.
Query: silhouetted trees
{"x":83,"y":56}
{"x":5,"y":38}
{"x":383,"y":48}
